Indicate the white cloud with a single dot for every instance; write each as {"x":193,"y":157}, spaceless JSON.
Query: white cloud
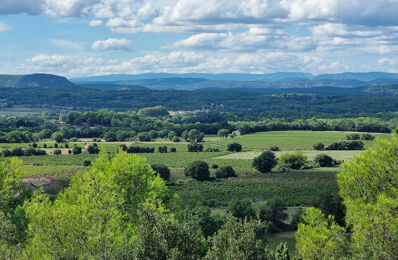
{"x":112,"y":44}
{"x":95,"y":23}
{"x":47,"y":60}
{"x":68,"y":45}
{"x":4,"y":27}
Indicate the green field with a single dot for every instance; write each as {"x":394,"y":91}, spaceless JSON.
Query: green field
{"x":288,"y":140}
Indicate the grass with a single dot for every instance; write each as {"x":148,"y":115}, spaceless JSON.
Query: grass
{"x":338,"y":155}
{"x":283,"y":237}
{"x":56,"y":171}
{"x":288,"y":140}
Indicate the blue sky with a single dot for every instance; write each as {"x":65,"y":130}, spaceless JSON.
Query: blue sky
{"x":77,"y":38}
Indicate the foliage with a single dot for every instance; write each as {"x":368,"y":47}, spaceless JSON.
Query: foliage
{"x":153,"y":111}
{"x":241,"y":209}
{"x":57,"y":152}
{"x":272,"y":211}
{"x":162,"y":170}
{"x":323,"y":160}
{"x":265,"y":162}
{"x":223,"y":133}
{"x":293,"y":161}
{"x":96,"y":216}
{"x":367,"y":137}
{"x":234,"y":147}
{"x":162,"y":149}
{"x":139,"y":149}
{"x":91,"y":149}
{"x":77,"y":150}
{"x":274,"y":148}
{"x":353,"y":137}
{"x":195,"y":147}
{"x":57,"y":136}
{"x":239,"y":239}
{"x":225,"y":172}
{"x":318,"y":146}
{"x":199,"y":170}
{"x":343,"y":145}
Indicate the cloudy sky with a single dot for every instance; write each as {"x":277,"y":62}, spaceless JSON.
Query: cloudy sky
{"x":78,"y":38}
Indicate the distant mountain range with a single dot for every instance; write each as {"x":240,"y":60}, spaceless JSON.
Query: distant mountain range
{"x":201,"y":81}
{"x":194,"y":81}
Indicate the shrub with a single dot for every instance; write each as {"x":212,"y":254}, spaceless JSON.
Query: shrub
{"x":17,"y":151}
{"x":173,"y":150}
{"x":110,"y":137}
{"x":93,"y":149}
{"x":293,"y":161}
{"x":318,"y":146}
{"x":34,"y":145}
{"x":86,"y":163}
{"x":274,"y":148}
{"x":323,"y":160}
{"x":241,"y":209}
{"x":44,"y":145}
{"x":123,"y":147}
{"x":353,"y":137}
{"x":265,"y":162}
{"x":343,"y":145}
{"x":367,"y":137}
{"x":272,"y":211}
{"x":69,"y":151}
{"x":212,"y":149}
{"x":198,"y":170}
{"x":162,"y":170}
{"x":139,"y":149}
{"x":144,"y":137}
{"x":57,"y":152}
{"x":225,"y":172}
{"x":214,"y":166}
{"x":66,"y":145}
{"x":195,"y":147}
{"x":234,"y":147}
{"x":55,"y":145}
{"x":162,"y":149}
{"x":77,"y":150}
{"x":29,"y":151}
{"x":40,"y":152}
{"x":176,"y":139}
{"x":6,"y":153}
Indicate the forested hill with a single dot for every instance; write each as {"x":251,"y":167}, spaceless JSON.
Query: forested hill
{"x":34,"y":81}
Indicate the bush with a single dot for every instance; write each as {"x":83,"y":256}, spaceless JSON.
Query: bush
{"x":318,"y":146}
{"x":6,"y":153}
{"x":214,"y":166}
{"x":293,"y":161}
{"x":173,"y":150}
{"x":198,"y":170}
{"x":17,"y":151}
{"x":110,"y":137}
{"x":139,"y":149}
{"x":34,"y":145}
{"x":274,"y":212}
{"x":123,"y":147}
{"x":323,"y":160}
{"x":86,"y":163}
{"x":93,"y":149}
{"x":176,"y":139}
{"x":274,"y":148}
{"x":40,"y":152}
{"x":55,"y":145}
{"x":77,"y":150}
{"x":234,"y":147}
{"x":162,"y":149}
{"x":57,"y":152}
{"x":144,"y":137}
{"x":212,"y":149}
{"x":265,"y":162}
{"x":162,"y":170}
{"x":29,"y":151}
{"x":367,"y":137}
{"x":66,"y":145}
{"x":343,"y":145}
{"x":241,"y":209}
{"x":44,"y":145}
{"x":225,"y":172}
{"x":195,"y":147}
{"x":69,"y":151}
{"x":353,"y":137}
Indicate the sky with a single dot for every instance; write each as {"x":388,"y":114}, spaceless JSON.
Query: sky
{"x":78,"y":38}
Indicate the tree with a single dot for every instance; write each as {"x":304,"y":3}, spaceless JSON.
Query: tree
{"x":77,"y":150}
{"x":195,"y":147}
{"x":272,"y":211}
{"x":234,"y":147}
{"x":98,"y":215}
{"x":110,"y":137}
{"x":93,"y":149}
{"x":318,"y":146}
{"x":368,"y":186}
{"x":44,"y":134}
{"x":199,"y":170}
{"x":241,"y":209}
{"x":265,"y":162}
{"x":239,"y":239}
{"x":293,"y":161}
{"x":162,"y":170}
{"x":324,"y":160}
{"x":58,"y":137}
{"x":223,"y":133}
{"x":195,"y":136}
{"x":225,"y":172}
